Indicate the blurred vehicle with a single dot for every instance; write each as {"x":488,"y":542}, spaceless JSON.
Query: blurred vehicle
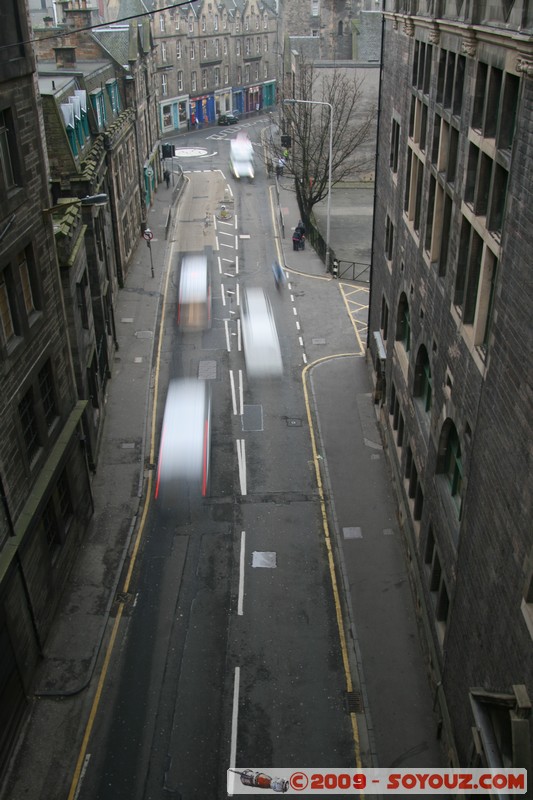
{"x":262,"y":352}
{"x":229,"y":118}
{"x":241,"y":157}
{"x":185,"y":438}
{"x":194,"y":297}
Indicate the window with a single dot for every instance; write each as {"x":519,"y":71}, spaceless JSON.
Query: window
{"x":265,"y":21}
{"x":247,"y":74}
{"x":193,"y":81}
{"x":247,"y":24}
{"x":403,"y":323}
{"x":394,"y":146}
{"x":215,"y":22}
{"x":422,"y":66}
{"x":217,"y":76}
{"x":315,"y":8}
{"x":226,"y":75}
{"x":178,"y":49}
{"x":217,"y":48}
{"x":163,"y":52}
{"x":505,"y":134}
{"x":46,"y":389}
{"x":51,"y":528}
{"x":422,"y":381}
{"x":7,"y":316}
{"x":239,"y":76}
{"x":164,"y":86}
{"x":114,"y":96}
{"x":162,"y":23}
{"x":193,"y":49}
{"x":449,"y":463}
{"x":468,"y":271}
{"x":384,"y":321}
{"x":389,"y":238}
{"x":238,"y":47}
{"x":265,"y":44}
{"x":204,"y":23}
{"x":527,"y":596}
{"x":265,"y":69}
{"x":97,"y":100}
{"x":180,"y":80}
{"x":225,"y":47}
{"x":26,"y":272}
{"x":191,"y":23}
{"x":204,"y":48}
{"x":8,"y":164}
{"x":28,"y":422}
{"x":258,"y":45}
{"x":81,"y":296}
{"x":248,"y":47}
{"x":204,"y":79}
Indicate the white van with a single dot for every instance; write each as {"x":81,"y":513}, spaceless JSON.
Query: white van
{"x":241,"y":158}
{"x":185,"y":438}
{"x":194,"y":299}
{"x":262,"y":352}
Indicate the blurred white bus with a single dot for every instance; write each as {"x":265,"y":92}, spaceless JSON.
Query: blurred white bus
{"x":184,"y":452}
{"x":194,"y":299}
{"x":241,"y":158}
{"x":262,"y":352}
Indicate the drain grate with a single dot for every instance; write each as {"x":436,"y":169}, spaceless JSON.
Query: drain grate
{"x":354,"y":702}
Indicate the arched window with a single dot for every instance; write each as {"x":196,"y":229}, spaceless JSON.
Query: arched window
{"x":449,"y":461}
{"x":339,"y":28}
{"x":403,"y":323}
{"x":422,"y":381}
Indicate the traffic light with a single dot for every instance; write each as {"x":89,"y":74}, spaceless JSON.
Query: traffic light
{"x":285,"y":140}
{"x":169,"y":150}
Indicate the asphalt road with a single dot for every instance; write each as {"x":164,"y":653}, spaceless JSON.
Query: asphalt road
{"x":205,"y":635}
{"x":203,"y":619}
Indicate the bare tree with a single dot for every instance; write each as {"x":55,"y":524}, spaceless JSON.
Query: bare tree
{"x":352,"y":126}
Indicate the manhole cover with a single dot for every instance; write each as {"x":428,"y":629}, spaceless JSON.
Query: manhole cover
{"x":264,"y":559}
{"x":143,"y":334}
{"x":207,"y":370}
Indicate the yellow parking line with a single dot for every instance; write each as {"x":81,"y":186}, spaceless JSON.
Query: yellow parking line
{"x":329,"y":548}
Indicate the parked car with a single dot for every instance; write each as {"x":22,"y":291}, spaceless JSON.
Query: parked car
{"x":228,"y":119}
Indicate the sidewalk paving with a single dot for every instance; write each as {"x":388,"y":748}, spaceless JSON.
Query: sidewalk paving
{"x":393,"y":682}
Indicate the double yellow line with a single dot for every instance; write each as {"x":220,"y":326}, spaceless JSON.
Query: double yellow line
{"x":133,"y":558}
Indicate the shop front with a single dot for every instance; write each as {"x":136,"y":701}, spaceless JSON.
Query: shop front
{"x":223,"y":101}
{"x":238,"y":100}
{"x":202,"y":110}
{"x":173,"y":114}
{"x":253,"y":98}
{"x":269,"y":94}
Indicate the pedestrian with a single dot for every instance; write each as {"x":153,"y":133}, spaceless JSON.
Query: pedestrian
{"x":280,"y":167}
{"x":279,"y":275}
{"x":166,"y":176}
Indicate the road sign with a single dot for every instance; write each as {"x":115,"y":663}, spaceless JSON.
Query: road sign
{"x":148,"y":235}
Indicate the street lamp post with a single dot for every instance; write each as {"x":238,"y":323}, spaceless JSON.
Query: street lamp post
{"x":293,"y":101}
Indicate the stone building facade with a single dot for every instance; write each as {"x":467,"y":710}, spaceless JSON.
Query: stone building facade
{"x":45,"y":489}
{"x":213,"y":58}
{"x":450,"y":338}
